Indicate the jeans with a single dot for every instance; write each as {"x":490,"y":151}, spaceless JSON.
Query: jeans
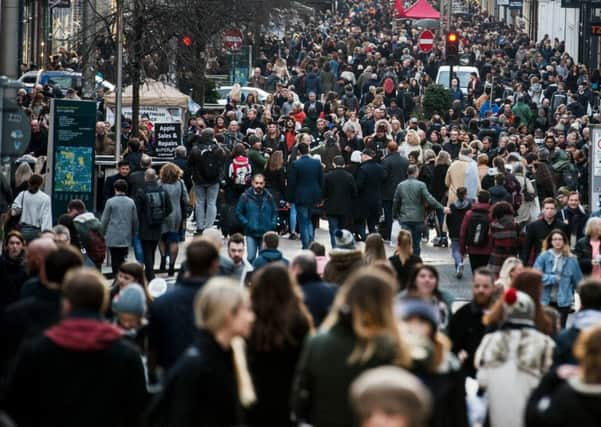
{"x":138,"y":252}
{"x":149,"y":248}
{"x":440,"y":229}
{"x":416,"y":229}
{"x":206,"y":204}
{"x":293,"y":216}
{"x":118,"y":256}
{"x":387,"y":205}
{"x":305,"y":224}
{"x":456,"y":252}
{"x":253,"y":245}
{"x":334,"y":223}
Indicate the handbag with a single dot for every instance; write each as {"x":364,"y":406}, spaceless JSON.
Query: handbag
{"x":185,"y":207}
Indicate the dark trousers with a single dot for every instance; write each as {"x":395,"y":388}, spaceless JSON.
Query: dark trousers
{"x":149,"y":248}
{"x":478,"y":261}
{"x":373,"y":217}
{"x":387,"y":205}
{"x":563,"y":313}
{"x":118,"y":256}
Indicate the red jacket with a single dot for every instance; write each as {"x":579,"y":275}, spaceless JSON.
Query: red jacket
{"x":463,"y":247}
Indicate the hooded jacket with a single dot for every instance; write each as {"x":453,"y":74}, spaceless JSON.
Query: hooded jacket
{"x":341,"y":264}
{"x":256,"y":212}
{"x":81,"y":372}
{"x":267,"y":256}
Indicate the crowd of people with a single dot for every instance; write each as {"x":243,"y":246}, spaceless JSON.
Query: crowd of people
{"x":333,"y":336}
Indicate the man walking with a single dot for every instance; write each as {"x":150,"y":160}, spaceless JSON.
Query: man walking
{"x":257,"y":212}
{"x":304,"y":185}
{"x":370,"y":177}
{"x":537,"y":231}
{"x":206,"y":162}
{"x":153,"y":206}
{"x":395,"y":170}
{"x":408,"y":205}
{"x":339,"y":193}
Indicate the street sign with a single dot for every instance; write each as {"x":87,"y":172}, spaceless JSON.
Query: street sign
{"x":16,"y":129}
{"x":232,"y":39}
{"x":71,"y":143}
{"x":425,"y":41}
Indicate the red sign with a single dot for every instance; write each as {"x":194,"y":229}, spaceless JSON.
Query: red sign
{"x":232,"y":39}
{"x":425,"y":42}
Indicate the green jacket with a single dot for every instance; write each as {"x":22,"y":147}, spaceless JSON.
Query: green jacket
{"x":257,"y":161}
{"x":410,"y":198}
{"x":324,"y":375}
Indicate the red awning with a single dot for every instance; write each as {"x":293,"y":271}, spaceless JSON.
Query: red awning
{"x":400,"y":11}
{"x":421,"y":9}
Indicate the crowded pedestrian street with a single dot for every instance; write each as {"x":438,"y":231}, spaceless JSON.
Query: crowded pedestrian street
{"x":311,"y":213}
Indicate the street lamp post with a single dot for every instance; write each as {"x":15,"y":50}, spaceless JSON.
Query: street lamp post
{"x":119,"y":89}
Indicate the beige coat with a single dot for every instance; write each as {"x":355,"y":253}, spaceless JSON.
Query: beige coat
{"x":455,"y":177}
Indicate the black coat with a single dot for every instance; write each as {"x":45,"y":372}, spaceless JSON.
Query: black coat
{"x":448,"y":393}
{"x":147,"y":231}
{"x":403,"y":271}
{"x":96,"y":382}
{"x":108,"y":190}
{"x":439,"y":189}
{"x":339,"y":192}
{"x":370,"y":181}
{"x":272,"y":374}
{"x":395,"y":168}
{"x":466,"y":331}
{"x":13,"y":274}
{"x":201,"y":390}
{"x":317,"y":296}
{"x":536,"y":233}
{"x":584,"y":252}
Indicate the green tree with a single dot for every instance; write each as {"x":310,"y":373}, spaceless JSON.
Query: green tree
{"x":437,"y":100}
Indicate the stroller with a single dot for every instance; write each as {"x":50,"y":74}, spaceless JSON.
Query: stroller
{"x":283,"y":225}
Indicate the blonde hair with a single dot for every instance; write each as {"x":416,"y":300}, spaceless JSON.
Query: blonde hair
{"x":588,"y":351}
{"x":591,"y":224}
{"x":412,"y":135}
{"x":218,"y":298}
{"x":367,"y":299}
{"x":22,"y":174}
{"x":507,"y":268}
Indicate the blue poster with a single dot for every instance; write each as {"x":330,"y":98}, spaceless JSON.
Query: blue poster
{"x":73,"y":169}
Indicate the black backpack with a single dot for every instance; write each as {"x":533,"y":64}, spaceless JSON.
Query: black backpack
{"x":477,"y":233}
{"x":155,"y":208}
{"x":209,"y":163}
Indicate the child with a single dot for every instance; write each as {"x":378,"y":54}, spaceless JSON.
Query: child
{"x":129,"y":307}
{"x":454,"y":220}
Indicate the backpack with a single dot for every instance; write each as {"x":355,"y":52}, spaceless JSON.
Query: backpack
{"x":155,"y":208}
{"x":240,"y":170}
{"x":569,"y":177}
{"x":477,"y":233}
{"x":209,"y":164}
{"x":90,"y":236}
{"x":389,"y":86}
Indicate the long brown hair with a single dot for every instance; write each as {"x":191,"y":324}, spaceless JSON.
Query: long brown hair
{"x":136,"y":270}
{"x":374,"y":249}
{"x":275,"y":161}
{"x":281,"y":315}
{"x":529,"y":281}
{"x":404,"y":245}
{"x":366,"y":301}
{"x":588,"y":351}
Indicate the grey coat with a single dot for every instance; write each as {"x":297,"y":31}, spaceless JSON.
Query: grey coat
{"x":119,"y":221}
{"x":173,"y":223}
{"x":409,"y":200}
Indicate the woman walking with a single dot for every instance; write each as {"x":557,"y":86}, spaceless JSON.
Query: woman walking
{"x":34,"y":208}
{"x":403,"y":260}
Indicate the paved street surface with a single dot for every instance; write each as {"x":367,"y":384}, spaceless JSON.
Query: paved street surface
{"x":439,"y":257}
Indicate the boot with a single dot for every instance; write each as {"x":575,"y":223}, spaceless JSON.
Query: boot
{"x":163,"y":263}
{"x":444,"y":242}
{"x":171,"y":272}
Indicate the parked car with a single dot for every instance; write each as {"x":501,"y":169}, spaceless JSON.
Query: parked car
{"x":461,"y":71}
{"x":62,"y":80}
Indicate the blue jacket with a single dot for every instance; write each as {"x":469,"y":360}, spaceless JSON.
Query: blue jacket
{"x":267,"y":256}
{"x":257,"y":212}
{"x":305,"y":180}
{"x":569,"y":278}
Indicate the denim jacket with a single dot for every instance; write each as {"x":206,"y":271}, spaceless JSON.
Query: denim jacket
{"x":569,"y":277}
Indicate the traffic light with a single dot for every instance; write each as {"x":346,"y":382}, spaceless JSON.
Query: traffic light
{"x":452,"y":48}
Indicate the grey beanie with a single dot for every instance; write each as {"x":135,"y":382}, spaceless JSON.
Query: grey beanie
{"x":344,"y":239}
{"x":131,"y":300}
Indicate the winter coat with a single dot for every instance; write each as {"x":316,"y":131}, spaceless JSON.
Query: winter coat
{"x":305,"y":180}
{"x":53,"y":384}
{"x":466,"y":331}
{"x":257,"y":212}
{"x":454,"y":220}
{"x":503,"y":236}
{"x":171,"y":328}
{"x":13,"y":275}
{"x":267,"y":256}
{"x":457,"y":176}
{"x":272,"y":372}
{"x":584,"y":253}
{"x":341,"y":264}
{"x":201,"y":390}
{"x":439,"y":189}
{"x":404,"y":271}
{"x":339,"y":193}
{"x":196,"y":163}
{"x":464,"y":246}
{"x":409,"y":199}
{"x":575,"y":219}
{"x":536,"y":233}
{"x":570,"y":276}
{"x":318,"y":296}
{"x":395,"y":170}
{"x":557,"y":402}
{"x":177,"y":195}
{"x":119,"y":221}
{"x":564,"y":350}
{"x":312,"y":83}
{"x":370,"y":179}
{"x":324,"y":375}
{"x":510,"y":363}
{"x":146,"y":230}
{"x":275,"y":183}
{"x":498,"y":193}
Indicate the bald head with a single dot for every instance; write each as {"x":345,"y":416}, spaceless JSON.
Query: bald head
{"x":150,"y":175}
{"x":37,"y":251}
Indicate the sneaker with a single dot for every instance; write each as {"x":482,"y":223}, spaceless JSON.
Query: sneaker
{"x":198,"y":232}
{"x":460,"y":271}
{"x":293,"y":236}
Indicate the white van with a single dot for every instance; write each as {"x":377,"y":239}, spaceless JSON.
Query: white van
{"x":462,"y":72}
